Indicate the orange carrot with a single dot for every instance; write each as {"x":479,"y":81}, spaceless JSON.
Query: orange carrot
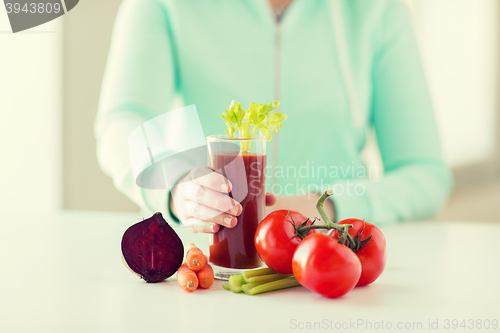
{"x":195,"y":259}
{"x":206,"y":276}
{"x":187,"y":248}
{"x":187,"y":278}
{"x":190,"y":246}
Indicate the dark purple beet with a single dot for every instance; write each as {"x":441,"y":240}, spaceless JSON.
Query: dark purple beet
{"x":152,"y":249}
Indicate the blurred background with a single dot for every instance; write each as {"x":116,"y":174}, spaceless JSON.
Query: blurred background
{"x":50,"y":78}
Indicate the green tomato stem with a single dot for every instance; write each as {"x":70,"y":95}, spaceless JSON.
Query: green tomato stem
{"x":319,"y":207}
{"x":328,"y":223}
{"x":342,"y":229}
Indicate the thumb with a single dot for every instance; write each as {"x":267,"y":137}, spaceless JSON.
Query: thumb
{"x":270,"y":199}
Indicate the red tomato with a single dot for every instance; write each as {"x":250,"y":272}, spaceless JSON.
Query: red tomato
{"x":275,"y":241}
{"x":372,"y":255}
{"x":326,"y":267}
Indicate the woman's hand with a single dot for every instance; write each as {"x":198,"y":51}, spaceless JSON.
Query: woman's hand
{"x":201,"y":203}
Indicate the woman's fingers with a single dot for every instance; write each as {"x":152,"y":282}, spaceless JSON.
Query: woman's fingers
{"x":212,"y":199}
{"x":206,"y":177}
{"x":196,"y":225}
{"x":270,"y":199}
{"x":201,"y":201}
{"x":208,"y":214}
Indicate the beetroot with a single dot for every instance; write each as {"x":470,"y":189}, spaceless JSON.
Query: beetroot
{"x":152,"y":249}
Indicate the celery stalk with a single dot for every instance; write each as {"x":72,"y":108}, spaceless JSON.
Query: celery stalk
{"x":263,"y":287}
{"x":257,"y":272}
{"x":269,"y":277}
{"x":236,"y":282}
{"x":260,"y":116}
{"x":226,"y":286}
{"x":246,"y":146}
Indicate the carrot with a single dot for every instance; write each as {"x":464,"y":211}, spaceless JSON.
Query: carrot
{"x":195,"y":259}
{"x":188,"y":280}
{"x":206,"y":276}
{"x":190,"y":246}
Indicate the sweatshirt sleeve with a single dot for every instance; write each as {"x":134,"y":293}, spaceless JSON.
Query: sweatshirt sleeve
{"x":138,"y":85}
{"x":416,"y":181}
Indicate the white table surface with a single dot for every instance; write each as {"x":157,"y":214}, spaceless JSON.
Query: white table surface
{"x":64,"y":273}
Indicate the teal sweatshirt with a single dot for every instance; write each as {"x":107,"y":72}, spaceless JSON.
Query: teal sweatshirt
{"x":339,"y":68}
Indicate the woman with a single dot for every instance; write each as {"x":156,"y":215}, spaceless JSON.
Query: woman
{"x":339,"y":68}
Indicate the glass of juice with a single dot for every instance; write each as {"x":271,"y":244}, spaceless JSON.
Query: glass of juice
{"x":243,"y":162}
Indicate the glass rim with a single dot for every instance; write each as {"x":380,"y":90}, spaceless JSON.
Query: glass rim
{"x":225,"y":137}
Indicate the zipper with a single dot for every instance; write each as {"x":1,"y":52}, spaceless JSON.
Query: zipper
{"x":277,"y":61}
{"x":277,"y":93}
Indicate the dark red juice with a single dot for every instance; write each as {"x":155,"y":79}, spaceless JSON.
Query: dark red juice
{"x":234,"y":247}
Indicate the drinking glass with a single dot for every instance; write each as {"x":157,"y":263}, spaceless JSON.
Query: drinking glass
{"x":242,"y":162}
